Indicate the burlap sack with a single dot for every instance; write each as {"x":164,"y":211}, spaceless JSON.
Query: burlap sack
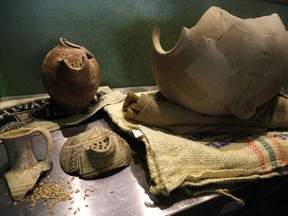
{"x":152,"y":109}
{"x":41,"y":112}
{"x":197,"y":161}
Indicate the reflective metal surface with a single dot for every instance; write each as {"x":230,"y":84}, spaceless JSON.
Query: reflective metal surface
{"x":123,"y":192}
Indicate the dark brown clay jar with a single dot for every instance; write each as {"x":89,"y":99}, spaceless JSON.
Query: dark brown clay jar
{"x":71,"y":76}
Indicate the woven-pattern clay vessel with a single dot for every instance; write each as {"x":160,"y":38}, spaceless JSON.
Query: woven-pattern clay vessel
{"x":71,"y":76}
{"x":94,"y":152}
{"x":223,"y":65}
{"x":24,"y":168}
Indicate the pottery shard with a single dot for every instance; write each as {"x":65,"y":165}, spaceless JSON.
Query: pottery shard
{"x":94,"y":152}
{"x":22,"y":181}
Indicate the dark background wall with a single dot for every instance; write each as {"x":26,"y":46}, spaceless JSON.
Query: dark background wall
{"x":117,"y":32}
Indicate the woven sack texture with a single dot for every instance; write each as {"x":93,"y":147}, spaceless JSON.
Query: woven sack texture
{"x":197,"y":161}
{"x":40,"y":111}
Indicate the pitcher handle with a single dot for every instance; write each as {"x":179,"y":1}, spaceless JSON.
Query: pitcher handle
{"x":46,"y":134}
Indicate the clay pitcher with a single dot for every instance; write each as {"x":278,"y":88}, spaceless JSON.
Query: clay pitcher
{"x":71,"y":76}
{"x":224,"y":65}
{"x":24,"y":167}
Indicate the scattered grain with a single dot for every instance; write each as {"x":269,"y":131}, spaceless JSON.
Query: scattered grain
{"x":33,"y":204}
{"x":53,"y":192}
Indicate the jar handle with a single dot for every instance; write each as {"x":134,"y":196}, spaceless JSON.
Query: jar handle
{"x":45,"y":133}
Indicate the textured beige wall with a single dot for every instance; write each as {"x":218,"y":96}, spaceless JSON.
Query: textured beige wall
{"x":117,"y":32}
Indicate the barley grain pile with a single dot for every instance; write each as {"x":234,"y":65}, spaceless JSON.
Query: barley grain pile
{"x":50,"y":192}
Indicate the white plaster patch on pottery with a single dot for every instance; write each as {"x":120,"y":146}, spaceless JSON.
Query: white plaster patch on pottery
{"x":223,"y":65}
{"x":94,"y":152}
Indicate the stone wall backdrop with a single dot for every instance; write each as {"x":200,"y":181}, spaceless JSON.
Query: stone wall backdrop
{"x":117,"y":32}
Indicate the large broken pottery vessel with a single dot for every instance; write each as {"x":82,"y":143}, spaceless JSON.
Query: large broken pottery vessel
{"x":71,"y":76}
{"x":223,"y":65}
{"x":94,"y":152}
{"x":24,"y":168}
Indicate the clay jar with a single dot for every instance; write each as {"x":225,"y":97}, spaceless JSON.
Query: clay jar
{"x":71,"y":76}
{"x":224,"y":65}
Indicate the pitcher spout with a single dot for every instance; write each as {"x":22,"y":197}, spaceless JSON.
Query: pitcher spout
{"x":66,"y":43}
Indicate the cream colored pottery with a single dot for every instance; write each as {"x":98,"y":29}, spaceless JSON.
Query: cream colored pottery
{"x":223,"y":65}
{"x":94,"y":152}
{"x":71,"y":76}
{"x":24,"y":168}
